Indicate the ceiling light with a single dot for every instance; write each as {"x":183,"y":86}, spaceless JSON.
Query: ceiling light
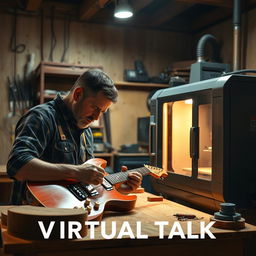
{"x":123,"y":10}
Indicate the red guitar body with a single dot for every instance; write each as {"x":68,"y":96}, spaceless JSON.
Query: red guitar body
{"x":57,"y":195}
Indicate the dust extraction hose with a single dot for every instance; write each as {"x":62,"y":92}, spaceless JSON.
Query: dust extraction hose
{"x":201,"y":47}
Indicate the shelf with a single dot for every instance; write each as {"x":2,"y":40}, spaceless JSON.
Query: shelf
{"x":49,"y":96}
{"x":103,"y":154}
{"x":57,"y":76}
{"x":133,"y":85}
{"x":131,"y":154}
{"x":61,"y":69}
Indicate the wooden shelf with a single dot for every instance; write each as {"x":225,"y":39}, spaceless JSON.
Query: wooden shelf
{"x":103,"y":154}
{"x":61,"y":69}
{"x":131,"y":154}
{"x":133,"y":85}
{"x":58,"y":76}
{"x":49,"y":96}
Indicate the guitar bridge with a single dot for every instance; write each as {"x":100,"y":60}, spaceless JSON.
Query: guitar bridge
{"x":78,"y":191}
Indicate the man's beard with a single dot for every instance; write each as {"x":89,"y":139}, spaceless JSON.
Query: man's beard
{"x":82,"y":124}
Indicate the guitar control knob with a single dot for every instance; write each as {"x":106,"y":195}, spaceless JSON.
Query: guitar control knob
{"x":89,"y":209}
{"x":96,"y":206}
{"x":87,"y":202}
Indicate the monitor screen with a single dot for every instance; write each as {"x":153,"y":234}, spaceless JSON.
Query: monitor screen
{"x":143,"y":130}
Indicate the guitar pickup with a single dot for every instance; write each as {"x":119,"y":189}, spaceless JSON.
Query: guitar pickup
{"x":91,"y":190}
{"x":78,"y":191}
{"x":106,"y":184}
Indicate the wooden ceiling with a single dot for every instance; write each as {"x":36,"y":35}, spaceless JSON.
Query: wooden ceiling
{"x":172,"y":15}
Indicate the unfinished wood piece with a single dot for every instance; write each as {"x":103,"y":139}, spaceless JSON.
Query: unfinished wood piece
{"x":155,"y":198}
{"x":231,"y":225}
{"x":22,"y":222}
{"x":4,"y":210}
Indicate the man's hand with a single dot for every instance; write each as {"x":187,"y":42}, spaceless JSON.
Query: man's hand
{"x":133,"y":182}
{"x":90,"y":173}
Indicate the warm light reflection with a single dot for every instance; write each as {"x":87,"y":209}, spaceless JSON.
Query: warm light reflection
{"x":165,"y":137}
{"x":177,"y":122}
{"x":189,"y":101}
{"x":205,"y":141}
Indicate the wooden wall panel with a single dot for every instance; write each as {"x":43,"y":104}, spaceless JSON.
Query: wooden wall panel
{"x":250,"y":49}
{"x":157,"y":49}
{"x":113,"y":47}
{"x":124,"y":114}
{"x":28,"y":33}
{"x":224,"y":34}
{"x":6,"y":64}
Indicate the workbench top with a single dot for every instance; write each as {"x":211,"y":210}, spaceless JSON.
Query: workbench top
{"x":146,"y":213}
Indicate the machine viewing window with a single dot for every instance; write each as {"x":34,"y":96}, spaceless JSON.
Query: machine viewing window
{"x":177,"y":120}
{"x":187,"y":137}
{"x":205,"y":141}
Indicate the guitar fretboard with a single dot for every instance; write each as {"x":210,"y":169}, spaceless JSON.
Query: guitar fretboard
{"x":123,"y":176}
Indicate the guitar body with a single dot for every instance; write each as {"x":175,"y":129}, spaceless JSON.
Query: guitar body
{"x":58,"y":195}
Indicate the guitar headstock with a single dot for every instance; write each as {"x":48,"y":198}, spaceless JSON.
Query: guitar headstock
{"x":156,"y":172}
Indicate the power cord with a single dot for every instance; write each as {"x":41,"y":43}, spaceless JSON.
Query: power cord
{"x":239,"y":72}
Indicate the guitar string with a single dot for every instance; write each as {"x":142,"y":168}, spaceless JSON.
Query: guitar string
{"x":122,"y":176}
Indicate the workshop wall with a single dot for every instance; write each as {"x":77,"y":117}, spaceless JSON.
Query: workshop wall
{"x":115,"y":48}
{"x":224,"y":34}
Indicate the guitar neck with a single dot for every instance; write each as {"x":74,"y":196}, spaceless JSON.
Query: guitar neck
{"x":123,"y":176}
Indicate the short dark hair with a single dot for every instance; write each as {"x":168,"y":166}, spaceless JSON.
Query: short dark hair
{"x":94,"y":81}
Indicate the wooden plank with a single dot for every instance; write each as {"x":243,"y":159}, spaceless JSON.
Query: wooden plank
{"x":7,"y":123}
{"x":90,"y":7}
{"x":33,"y":5}
{"x":139,"y":5}
{"x":211,"y":18}
{"x":124,"y":84}
{"x":221,"y":3}
{"x":171,"y":10}
{"x":61,"y":71}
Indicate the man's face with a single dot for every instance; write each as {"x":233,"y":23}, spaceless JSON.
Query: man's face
{"x":86,"y":110}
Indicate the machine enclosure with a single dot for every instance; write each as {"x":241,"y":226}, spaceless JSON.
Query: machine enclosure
{"x":233,"y":170}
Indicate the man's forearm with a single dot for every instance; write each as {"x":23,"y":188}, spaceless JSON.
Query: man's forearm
{"x":38,"y":170}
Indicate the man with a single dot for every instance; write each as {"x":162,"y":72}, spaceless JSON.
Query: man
{"x":53,"y":140}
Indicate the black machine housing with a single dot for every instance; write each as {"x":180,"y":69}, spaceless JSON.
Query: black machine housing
{"x":223,"y":108}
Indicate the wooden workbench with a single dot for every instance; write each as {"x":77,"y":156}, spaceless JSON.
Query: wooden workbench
{"x":226,"y":243}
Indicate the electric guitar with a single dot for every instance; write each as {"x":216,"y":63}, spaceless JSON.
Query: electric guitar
{"x":95,"y":199}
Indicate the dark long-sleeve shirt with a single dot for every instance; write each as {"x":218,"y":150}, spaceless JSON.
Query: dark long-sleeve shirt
{"x":39,"y":134}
